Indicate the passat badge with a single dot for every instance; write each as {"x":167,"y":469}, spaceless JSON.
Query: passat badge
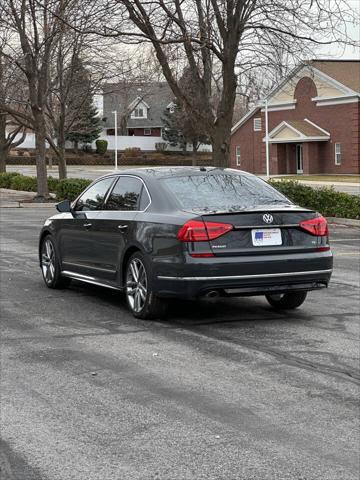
{"x":268,"y":218}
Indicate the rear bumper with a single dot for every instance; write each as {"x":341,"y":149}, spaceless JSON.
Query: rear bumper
{"x":240,"y":276}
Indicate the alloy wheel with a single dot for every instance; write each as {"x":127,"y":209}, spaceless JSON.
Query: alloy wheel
{"x":136,"y":285}
{"x":48,"y":261}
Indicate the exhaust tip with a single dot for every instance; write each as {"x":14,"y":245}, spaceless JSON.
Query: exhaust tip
{"x":212,"y":294}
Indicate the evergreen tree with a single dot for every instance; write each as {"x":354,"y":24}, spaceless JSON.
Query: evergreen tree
{"x":85,"y":125}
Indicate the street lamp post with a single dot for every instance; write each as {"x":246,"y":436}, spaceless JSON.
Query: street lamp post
{"x":116,"y":157}
{"x":267,"y":140}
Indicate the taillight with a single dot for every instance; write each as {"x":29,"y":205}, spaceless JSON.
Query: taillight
{"x":316,"y":226}
{"x":199,"y":231}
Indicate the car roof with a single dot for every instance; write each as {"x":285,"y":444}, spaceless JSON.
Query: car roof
{"x":163,"y":172}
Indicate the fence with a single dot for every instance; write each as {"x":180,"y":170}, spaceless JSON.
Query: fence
{"x":144,"y":143}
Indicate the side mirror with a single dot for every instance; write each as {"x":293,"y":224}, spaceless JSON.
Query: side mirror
{"x":64,"y":206}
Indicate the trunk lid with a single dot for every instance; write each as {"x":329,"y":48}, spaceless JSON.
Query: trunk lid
{"x":264,"y":230}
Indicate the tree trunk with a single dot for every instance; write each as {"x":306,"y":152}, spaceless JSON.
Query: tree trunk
{"x":220,"y":142}
{"x":61,"y":143}
{"x":62,"y":164}
{"x":40,"y":152}
{"x":3,"y":146}
{"x":3,"y":159}
{"x":76,"y":146}
{"x":195,"y":146}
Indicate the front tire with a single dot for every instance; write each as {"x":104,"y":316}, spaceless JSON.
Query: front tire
{"x":50,"y":265}
{"x":140,"y":296}
{"x":286,"y":301}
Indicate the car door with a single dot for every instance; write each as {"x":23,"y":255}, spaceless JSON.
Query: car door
{"x":77,"y":241}
{"x":114,"y":226}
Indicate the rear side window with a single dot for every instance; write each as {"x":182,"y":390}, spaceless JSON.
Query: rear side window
{"x":93,"y":197}
{"x":125,"y":194}
{"x":222,"y":191}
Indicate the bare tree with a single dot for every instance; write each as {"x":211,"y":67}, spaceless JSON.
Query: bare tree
{"x":35,"y":31}
{"x":12,"y":134}
{"x":218,"y":35}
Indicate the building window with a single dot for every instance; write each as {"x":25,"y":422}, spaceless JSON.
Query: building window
{"x":147,"y":131}
{"x":257,"y":124}
{"x":139,"y":112}
{"x":237,"y":155}
{"x":337,"y":153}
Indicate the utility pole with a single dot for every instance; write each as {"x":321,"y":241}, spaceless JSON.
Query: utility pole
{"x":116,"y":132}
{"x":267,"y":140}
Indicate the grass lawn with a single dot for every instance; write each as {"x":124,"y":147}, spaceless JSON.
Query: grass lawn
{"x":322,"y":178}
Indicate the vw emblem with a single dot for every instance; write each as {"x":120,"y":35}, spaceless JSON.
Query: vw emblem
{"x":268,"y":218}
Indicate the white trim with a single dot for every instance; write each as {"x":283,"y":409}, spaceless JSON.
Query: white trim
{"x":316,"y":126}
{"x":336,"y":83}
{"x":244,"y":118}
{"x":139,"y":100}
{"x":301,"y":136}
{"x":277,"y":109}
{"x":281,"y":106}
{"x":238,"y":155}
{"x":323,"y":102}
{"x":298,"y":140}
{"x":239,"y":277}
{"x":281,"y":125}
{"x":337,"y":153}
{"x":147,"y":134}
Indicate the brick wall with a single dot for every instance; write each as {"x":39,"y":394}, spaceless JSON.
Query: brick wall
{"x":341,"y":121}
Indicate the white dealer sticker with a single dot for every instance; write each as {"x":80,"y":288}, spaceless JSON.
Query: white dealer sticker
{"x":266,"y":237}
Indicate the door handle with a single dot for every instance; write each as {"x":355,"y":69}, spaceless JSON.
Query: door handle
{"x":122,"y":228}
{"x":87,"y":225}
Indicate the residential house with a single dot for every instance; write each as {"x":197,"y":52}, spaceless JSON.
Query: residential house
{"x":313,"y":123}
{"x":141,"y":105}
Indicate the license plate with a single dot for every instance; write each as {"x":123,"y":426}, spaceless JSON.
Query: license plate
{"x":266,"y":237}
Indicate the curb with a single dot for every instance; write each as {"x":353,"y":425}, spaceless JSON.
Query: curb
{"x":26,"y":205}
{"x":350,"y":222}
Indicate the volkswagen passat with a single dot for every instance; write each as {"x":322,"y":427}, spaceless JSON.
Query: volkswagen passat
{"x":159,"y":233}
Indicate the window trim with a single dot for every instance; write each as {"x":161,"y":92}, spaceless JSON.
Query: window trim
{"x":149,"y":130}
{"x":337,"y":153}
{"x":74,"y":203}
{"x":257,"y":129}
{"x":238,"y":155}
{"x":113,"y":186}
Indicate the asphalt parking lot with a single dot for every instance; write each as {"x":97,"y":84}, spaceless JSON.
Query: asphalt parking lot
{"x":222,"y":390}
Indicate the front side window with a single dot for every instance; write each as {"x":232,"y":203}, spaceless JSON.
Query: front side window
{"x":238,"y":156}
{"x":125,"y":194}
{"x":337,"y":153}
{"x":257,"y":124}
{"x":93,"y":197}
{"x":223,"y":192}
{"x":147,"y":131}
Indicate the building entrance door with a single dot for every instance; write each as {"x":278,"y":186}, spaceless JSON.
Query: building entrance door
{"x":299,"y":159}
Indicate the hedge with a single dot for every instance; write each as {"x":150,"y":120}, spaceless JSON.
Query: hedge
{"x":324,"y":200}
{"x":6,"y":177}
{"x":70,"y":188}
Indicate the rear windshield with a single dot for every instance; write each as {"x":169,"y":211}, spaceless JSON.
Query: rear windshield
{"x":223,"y":192}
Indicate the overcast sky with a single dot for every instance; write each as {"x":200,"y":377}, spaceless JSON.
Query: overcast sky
{"x":339,"y":51}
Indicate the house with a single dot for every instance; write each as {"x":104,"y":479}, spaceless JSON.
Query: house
{"x":140,"y":106}
{"x":313,"y":123}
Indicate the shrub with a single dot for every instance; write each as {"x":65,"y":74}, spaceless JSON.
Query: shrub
{"x":52,"y":183}
{"x":101,"y":146}
{"x":160,"y":146}
{"x":70,"y":188}
{"x":132,"y":152}
{"x":324,"y":200}
{"x":6,"y":177}
{"x":23,"y":182}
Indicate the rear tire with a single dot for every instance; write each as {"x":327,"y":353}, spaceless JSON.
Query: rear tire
{"x":140,"y":296}
{"x":50,"y":265}
{"x":286,"y":301}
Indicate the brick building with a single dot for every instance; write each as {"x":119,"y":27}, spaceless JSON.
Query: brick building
{"x":313,"y":120}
